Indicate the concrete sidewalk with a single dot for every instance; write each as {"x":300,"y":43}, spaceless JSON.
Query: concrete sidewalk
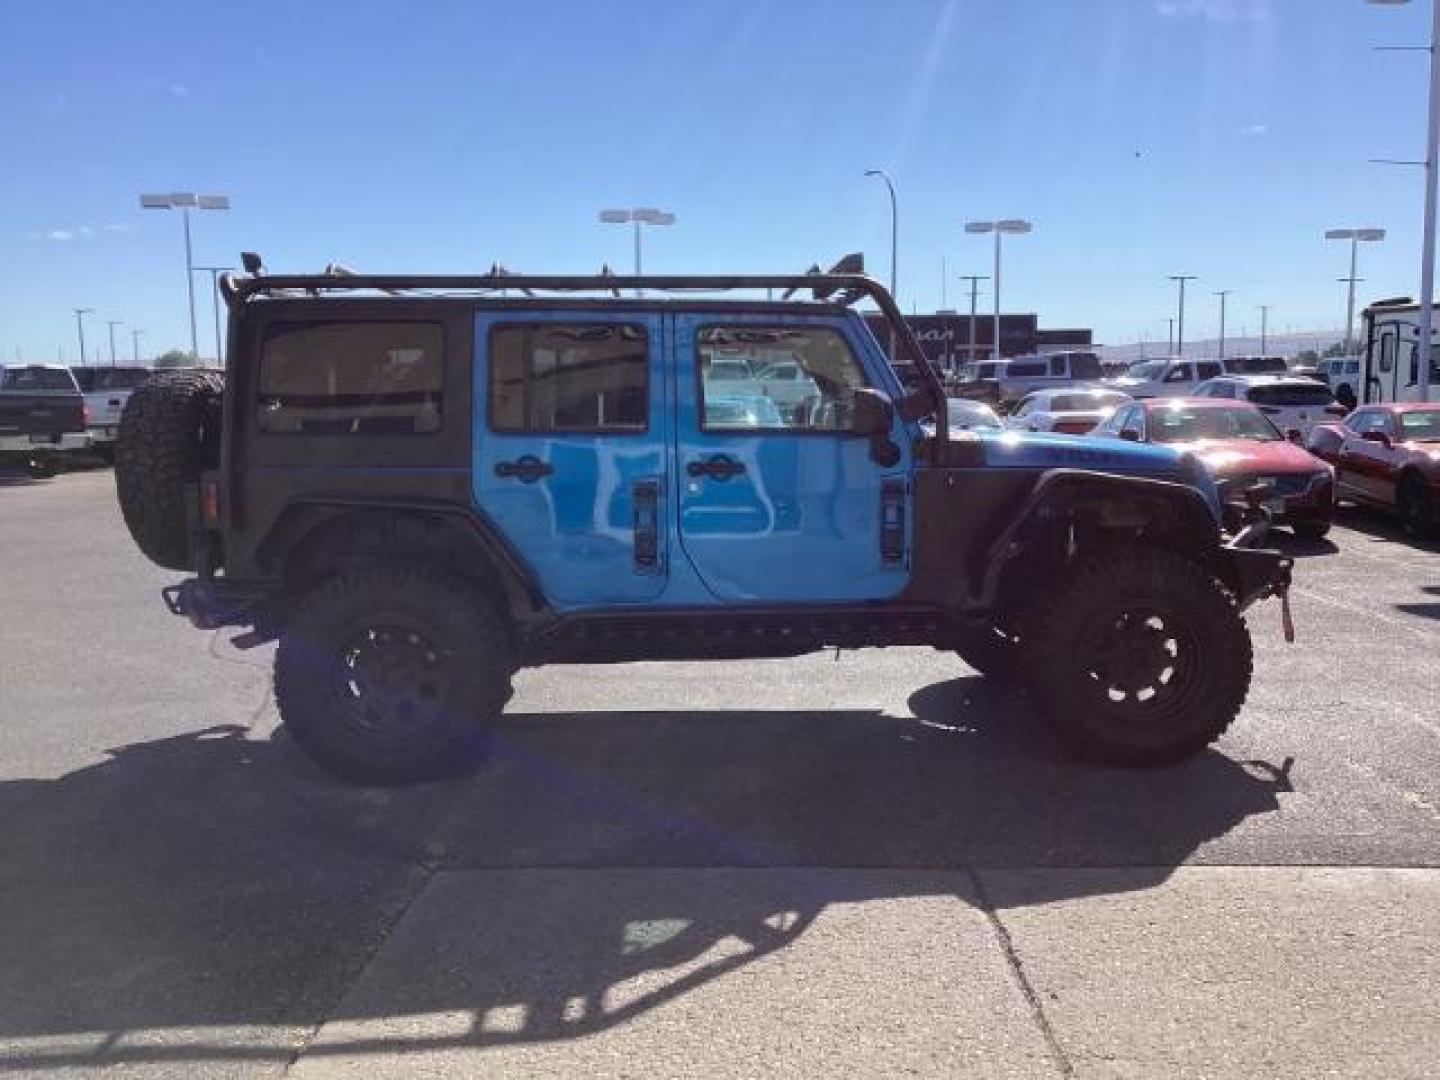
{"x":1200,"y":971}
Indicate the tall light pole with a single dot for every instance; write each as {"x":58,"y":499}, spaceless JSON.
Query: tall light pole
{"x":974,"y":280}
{"x":1171,"y":340}
{"x":1012,"y":226}
{"x":894,"y":228}
{"x":185,"y":201}
{"x":1181,"y":279}
{"x":215,"y":272}
{"x":1264,"y":328}
{"x":644,"y":215}
{"x":1432,"y":166}
{"x":80,"y":313}
{"x":1356,"y":237}
{"x":112,"y":323}
{"x":1222,"y":294}
{"x":135,"y":346}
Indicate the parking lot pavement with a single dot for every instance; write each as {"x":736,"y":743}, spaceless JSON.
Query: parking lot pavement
{"x":181,"y":894}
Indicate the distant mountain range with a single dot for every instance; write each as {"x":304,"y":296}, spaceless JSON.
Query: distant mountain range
{"x":1287,"y":345}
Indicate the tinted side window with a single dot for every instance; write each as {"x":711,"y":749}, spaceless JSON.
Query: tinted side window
{"x":569,"y":377}
{"x":357,"y":378}
{"x":1387,"y":352}
{"x":1085,"y":366}
{"x":1057,"y":366}
{"x":1208,"y":369}
{"x":1028,"y":369}
{"x":820,"y":395}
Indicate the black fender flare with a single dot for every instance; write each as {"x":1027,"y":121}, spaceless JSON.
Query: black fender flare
{"x":303,"y":520}
{"x":1056,"y":490}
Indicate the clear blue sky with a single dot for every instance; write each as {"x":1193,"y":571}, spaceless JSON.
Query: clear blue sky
{"x":1143,"y":137}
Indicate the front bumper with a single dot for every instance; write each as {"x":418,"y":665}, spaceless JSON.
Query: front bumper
{"x":52,"y":444}
{"x":1254,"y":573}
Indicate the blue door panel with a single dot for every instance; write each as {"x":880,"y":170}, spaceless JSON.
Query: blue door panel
{"x":576,"y":526}
{"x":802,"y":522}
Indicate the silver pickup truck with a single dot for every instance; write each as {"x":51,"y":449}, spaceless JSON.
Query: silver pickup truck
{"x":106,"y":390}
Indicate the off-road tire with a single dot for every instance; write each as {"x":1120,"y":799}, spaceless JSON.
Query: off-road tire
{"x":169,"y":434}
{"x":1311,"y":530}
{"x":1094,"y":635}
{"x":390,"y":674}
{"x":1416,"y":507}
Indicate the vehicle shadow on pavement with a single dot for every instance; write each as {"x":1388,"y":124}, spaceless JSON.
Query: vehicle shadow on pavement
{"x":1301,"y":548}
{"x":215,"y":881}
{"x":1382,"y":528}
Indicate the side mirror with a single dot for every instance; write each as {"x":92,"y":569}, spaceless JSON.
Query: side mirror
{"x":1377,"y":437}
{"x":873,"y":413}
{"x":1130,"y":434}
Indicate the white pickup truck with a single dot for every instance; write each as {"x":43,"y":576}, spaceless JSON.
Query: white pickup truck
{"x":1172,"y":377}
{"x":106,"y":390}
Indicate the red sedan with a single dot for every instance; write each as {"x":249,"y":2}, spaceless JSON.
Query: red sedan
{"x":1239,"y":446}
{"x":1388,"y":456}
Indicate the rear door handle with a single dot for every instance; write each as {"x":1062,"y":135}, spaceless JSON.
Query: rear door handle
{"x":526,"y":469}
{"x":718,"y":467}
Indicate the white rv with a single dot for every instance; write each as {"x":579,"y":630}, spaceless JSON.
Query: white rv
{"x":1390,"y":357}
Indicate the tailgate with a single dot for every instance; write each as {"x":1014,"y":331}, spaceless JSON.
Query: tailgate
{"x":41,"y":413}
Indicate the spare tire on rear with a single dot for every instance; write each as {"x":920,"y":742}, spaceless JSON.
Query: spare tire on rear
{"x":169,"y":434}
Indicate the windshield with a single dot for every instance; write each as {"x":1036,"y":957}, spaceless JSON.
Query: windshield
{"x":1146,"y":371}
{"x":1420,"y":426}
{"x":1180,"y":424}
{"x":971,"y":414}
{"x":976,"y":372}
{"x":36,"y":378}
{"x":1291,"y":395}
{"x":1086,"y":402}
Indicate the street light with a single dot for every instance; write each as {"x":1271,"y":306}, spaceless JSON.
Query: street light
{"x":135,"y":346}
{"x":894,"y":227}
{"x":80,"y":313}
{"x":1356,"y":238}
{"x":644,"y":215}
{"x":1432,"y":148}
{"x":112,"y":323}
{"x":1265,"y":328}
{"x":1222,"y":294}
{"x":1181,"y":279}
{"x":215,"y":272}
{"x":185,"y":201}
{"x":1012,"y":226}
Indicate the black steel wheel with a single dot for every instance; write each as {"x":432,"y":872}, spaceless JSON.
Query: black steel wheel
{"x":993,"y":651}
{"x":1138,"y":657}
{"x":389,"y":674}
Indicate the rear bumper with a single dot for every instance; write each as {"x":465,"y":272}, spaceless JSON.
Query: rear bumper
{"x":22,"y":444}
{"x":101,"y":434}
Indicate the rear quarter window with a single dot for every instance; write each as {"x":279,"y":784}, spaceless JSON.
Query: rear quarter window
{"x":356,"y":378}
{"x":1026,"y":370}
{"x":1291,"y":397}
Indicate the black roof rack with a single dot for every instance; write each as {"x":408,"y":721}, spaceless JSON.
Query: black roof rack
{"x":844,"y":288}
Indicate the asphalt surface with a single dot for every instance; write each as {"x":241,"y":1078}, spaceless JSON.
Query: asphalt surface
{"x":873,"y":864}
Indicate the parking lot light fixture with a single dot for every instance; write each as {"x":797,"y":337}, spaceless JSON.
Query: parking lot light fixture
{"x":1004,"y":227}
{"x":185,"y":201}
{"x":215,"y":272}
{"x":1356,"y":238}
{"x":1181,"y":279}
{"x":644,"y":215}
{"x":112,"y":323}
{"x":1223,"y":294}
{"x":135,"y":346}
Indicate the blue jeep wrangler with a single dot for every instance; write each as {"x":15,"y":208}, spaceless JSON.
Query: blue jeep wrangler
{"x":421,"y":484}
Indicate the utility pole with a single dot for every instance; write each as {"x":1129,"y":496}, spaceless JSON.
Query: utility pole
{"x":215,"y":272}
{"x":112,"y":323}
{"x":1171,"y":351}
{"x":1264,"y":328}
{"x":974,"y":280}
{"x":1181,"y":279}
{"x":1222,"y":294}
{"x":80,"y":313}
{"x":135,"y":346}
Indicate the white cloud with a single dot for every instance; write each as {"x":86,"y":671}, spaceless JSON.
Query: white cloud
{"x":1255,"y":129}
{"x":119,"y":227}
{"x":85,"y":230}
{"x":178,"y":90}
{"x":60,"y":236}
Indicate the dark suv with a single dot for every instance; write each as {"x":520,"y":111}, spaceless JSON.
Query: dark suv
{"x":422,"y":484}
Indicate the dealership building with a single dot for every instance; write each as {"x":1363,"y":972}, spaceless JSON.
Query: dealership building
{"x":945,"y":336}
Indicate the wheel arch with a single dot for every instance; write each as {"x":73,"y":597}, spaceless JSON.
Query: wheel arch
{"x":311,"y":539}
